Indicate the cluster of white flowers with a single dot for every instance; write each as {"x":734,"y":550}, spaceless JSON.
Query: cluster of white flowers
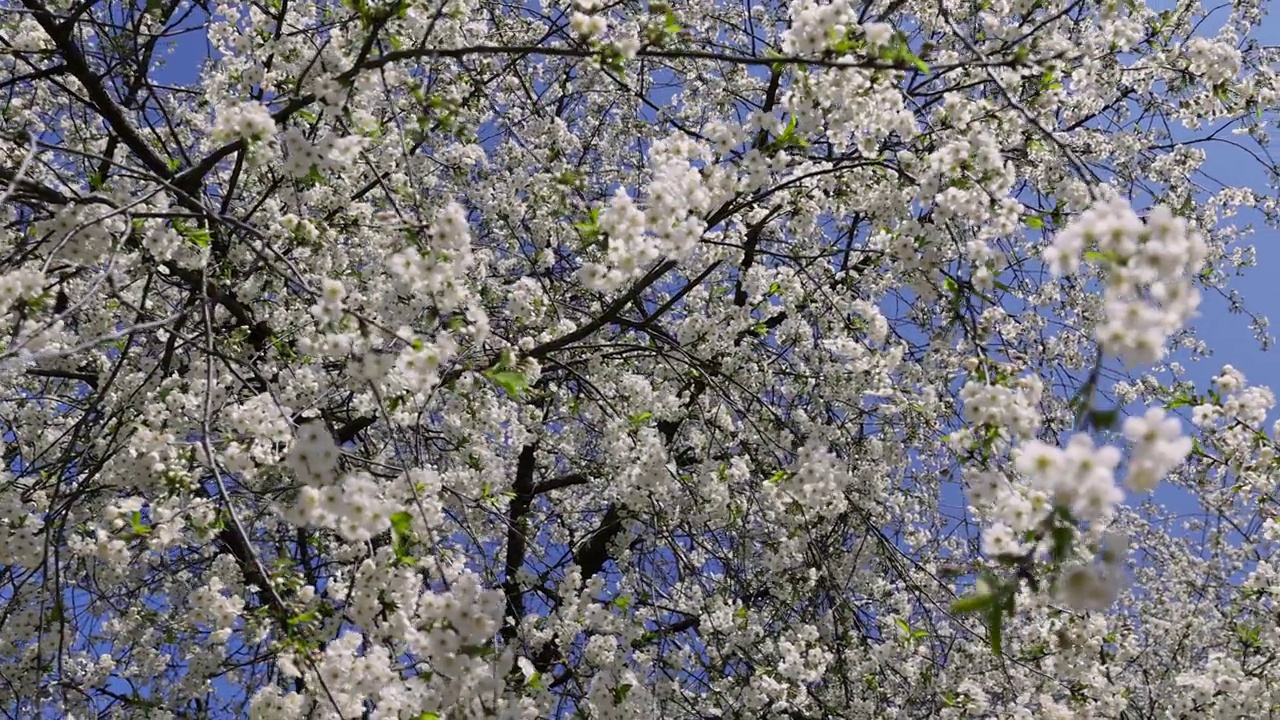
{"x":165,"y":242}
{"x":1013,"y":409}
{"x":261,"y":418}
{"x":247,"y":121}
{"x":670,"y":224}
{"x":1149,"y":293}
{"x":329,"y":303}
{"x":1158,"y":447}
{"x":26,"y":36}
{"x":417,"y":368}
{"x":814,"y":25}
{"x":585,"y":24}
{"x":82,"y":234}
{"x":22,"y":284}
{"x":1095,"y":585}
{"x":314,"y":456}
{"x":21,"y":536}
{"x":328,"y":154}
{"x":1235,"y":417}
{"x":818,"y":481}
{"x":356,"y":507}
{"x":954,"y":165}
{"x":435,"y":276}
{"x":1080,"y":477}
{"x":216,"y":604}
{"x":1219,"y":689}
{"x":1214,"y":60}
{"x":442,"y":629}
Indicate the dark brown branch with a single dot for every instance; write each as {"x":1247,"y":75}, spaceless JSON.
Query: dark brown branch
{"x":609,"y":314}
{"x":517,"y":539}
{"x":561,"y":482}
{"x":90,"y":379}
{"x":594,"y":552}
{"x":78,"y":66}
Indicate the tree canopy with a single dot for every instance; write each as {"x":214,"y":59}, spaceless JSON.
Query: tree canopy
{"x":427,"y":360}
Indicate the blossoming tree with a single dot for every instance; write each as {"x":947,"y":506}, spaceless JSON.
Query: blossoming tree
{"x":682,"y":359}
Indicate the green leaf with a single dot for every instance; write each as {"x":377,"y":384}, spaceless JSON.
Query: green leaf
{"x":620,"y":693}
{"x":478,"y":651}
{"x":401,"y":537}
{"x":915,"y":60}
{"x":307,"y":616}
{"x":641,"y":418}
{"x":428,"y":716}
{"x":1034,"y":222}
{"x":136,"y":521}
{"x":590,"y":228}
{"x":569,"y":178}
{"x":903,"y":626}
{"x":775,"y":67}
{"x":901,"y":55}
{"x":995,"y":626}
{"x":1062,"y":536}
{"x":789,"y":137}
{"x":512,"y":382}
{"x":973,"y":603}
{"x":400,"y":522}
{"x":200,"y":237}
{"x":671,"y":23}
{"x":1250,"y":635}
{"x":1103,"y":419}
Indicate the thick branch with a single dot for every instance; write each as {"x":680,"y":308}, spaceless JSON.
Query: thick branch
{"x":79,"y":68}
{"x":517,"y":539}
{"x":609,"y":314}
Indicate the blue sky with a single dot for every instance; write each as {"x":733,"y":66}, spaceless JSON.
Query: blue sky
{"x":1229,"y":334}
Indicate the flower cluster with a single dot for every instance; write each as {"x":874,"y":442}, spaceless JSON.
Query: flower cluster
{"x":585,"y":24}
{"x":329,"y":305}
{"x":436,"y":273}
{"x":314,"y":457}
{"x":1149,"y":293}
{"x":1215,"y":61}
{"x":326,"y":155}
{"x":251,"y":122}
{"x":669,"y":225}
{"x":1095,"y":585}
{"x":818,"y":482}
{"x":23,"y":284}
{"x":1158,"y":447}
{"x":356,"y":507}
{"x":1011,"y":409}
{"x":1080,"y":476}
